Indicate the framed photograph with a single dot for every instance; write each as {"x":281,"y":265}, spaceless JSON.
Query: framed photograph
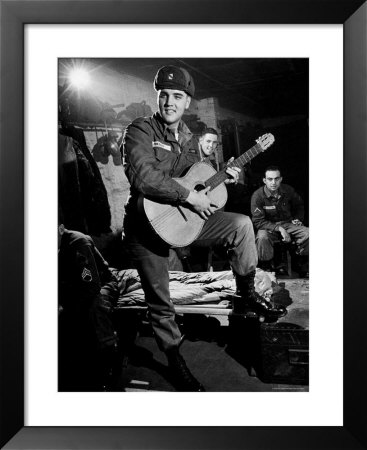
{"x":328,"y":41}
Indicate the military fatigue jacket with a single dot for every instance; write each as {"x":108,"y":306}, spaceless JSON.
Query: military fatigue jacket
{"x":268,"y":212}
{"x":83,"y":273}
{"x":154,"y":156}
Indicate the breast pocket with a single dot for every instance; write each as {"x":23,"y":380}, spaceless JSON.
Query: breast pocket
{"x":163,"y":155}
{"x":270,"y":210}
{"x":192,"y":156}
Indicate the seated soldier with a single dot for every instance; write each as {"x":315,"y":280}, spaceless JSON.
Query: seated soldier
{"x":277,"y":213}
{"x":208,"y":142}
{"x":87,"y":293}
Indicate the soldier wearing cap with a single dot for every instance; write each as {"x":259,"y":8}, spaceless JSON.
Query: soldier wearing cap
{"x":158,"y":148}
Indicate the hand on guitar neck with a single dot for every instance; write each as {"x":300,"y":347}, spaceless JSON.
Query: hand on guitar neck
{"x":232,"y":172}
{"x":201,"y":203}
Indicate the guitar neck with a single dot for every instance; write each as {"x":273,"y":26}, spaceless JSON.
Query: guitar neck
{"x":241,"y":161}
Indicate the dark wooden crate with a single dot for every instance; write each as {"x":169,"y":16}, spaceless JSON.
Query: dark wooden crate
{"x":284,"y":351}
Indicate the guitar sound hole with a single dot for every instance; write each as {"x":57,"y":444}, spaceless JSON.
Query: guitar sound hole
{"x":199,"y":187}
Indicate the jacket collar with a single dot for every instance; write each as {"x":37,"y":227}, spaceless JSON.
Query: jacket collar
{"x":269,"y":194}
{"x":184,"y":133}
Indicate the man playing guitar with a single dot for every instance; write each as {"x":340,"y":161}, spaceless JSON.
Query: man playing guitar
{"x":157,"y":149}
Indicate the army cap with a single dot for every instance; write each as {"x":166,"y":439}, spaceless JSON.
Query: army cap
{"x":173,"y":77}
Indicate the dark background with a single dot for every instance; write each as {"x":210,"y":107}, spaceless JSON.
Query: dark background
{"x":272,"y":92}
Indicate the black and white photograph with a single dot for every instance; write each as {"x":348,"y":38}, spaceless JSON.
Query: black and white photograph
{"x":184,"y":151}
{"x":183,"y":225}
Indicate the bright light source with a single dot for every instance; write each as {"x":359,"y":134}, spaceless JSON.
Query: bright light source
{"x":79,"y":78}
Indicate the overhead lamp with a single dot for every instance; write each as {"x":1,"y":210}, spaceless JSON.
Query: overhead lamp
{"x":79,"y":78}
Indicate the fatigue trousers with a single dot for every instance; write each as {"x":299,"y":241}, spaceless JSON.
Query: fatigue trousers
{"x":265,"y":240}
{"x":232,"y":231}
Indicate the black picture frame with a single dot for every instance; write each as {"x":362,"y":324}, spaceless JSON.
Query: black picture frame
{"x":14,"y":15}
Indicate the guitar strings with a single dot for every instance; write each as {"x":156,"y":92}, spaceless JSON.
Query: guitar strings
{"x":219,"y":177}
{"x":213,"y":181}
{"x":163,"y":217}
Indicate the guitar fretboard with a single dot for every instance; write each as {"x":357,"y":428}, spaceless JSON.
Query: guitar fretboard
{"x":221,"y":176}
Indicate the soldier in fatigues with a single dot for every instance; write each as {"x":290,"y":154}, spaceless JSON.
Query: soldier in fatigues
{"x":88,"y":290}
{"x":277,"y":213}
{"x":157,"y":149}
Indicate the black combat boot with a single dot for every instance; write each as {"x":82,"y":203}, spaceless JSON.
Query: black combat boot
{"x":253,"y":301}
{"x":183,"y":378}
{"x":267,"y":266}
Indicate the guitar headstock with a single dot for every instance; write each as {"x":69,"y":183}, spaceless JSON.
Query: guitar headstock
{"x":265,"y":141}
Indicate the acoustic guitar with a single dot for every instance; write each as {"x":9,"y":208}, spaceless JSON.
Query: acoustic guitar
{"x":180,"y":225}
